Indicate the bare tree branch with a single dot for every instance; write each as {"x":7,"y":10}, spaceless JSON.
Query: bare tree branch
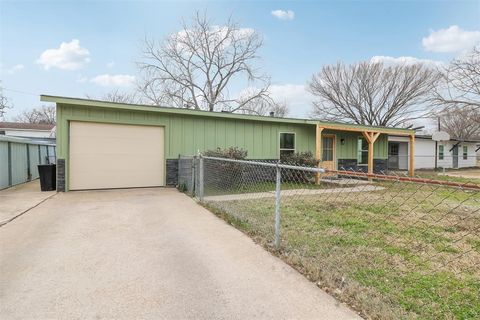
{"x":265,"y":108}
{"x":372,"y":93}
{"x":44,"y":115}
{"x":460,"y":86}
{"x":195,"y":68}
{"x":118,"y":96}
{"x":461,"y":123}
{"x":4,"y":103}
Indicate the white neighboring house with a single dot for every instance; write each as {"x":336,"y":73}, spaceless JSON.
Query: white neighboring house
{"x":36,"y":131}
{"x":449,"y":154}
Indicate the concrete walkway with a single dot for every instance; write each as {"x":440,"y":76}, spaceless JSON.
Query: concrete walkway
{"x":291,"y":193}
{"x":145,"y":254}
{"x":463,"y":173}
{"x":18,"y":199}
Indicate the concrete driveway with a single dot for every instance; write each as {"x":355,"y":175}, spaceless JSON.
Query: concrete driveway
{"x":145,"y":254}
{"x":463,"y":173}
{"x":16,"y":200}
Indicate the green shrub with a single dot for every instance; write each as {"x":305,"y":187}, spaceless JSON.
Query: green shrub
{"x":303,"y":159}
{"x":230,"y":153}
{"x":226,"y":175}
{"x":182,"y":187}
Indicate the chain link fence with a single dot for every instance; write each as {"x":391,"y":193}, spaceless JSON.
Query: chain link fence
{"x":430,"y":162}
{"x":390,"y":245}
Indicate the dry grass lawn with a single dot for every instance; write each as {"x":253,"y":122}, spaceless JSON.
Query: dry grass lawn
{"x":407,"y":251}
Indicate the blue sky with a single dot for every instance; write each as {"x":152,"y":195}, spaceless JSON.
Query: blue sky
{"x":109,"y":35}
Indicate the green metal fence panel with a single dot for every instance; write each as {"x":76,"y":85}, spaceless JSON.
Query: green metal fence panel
{"x":34,"y":160}
{"x":19,"y":162}
{"x":19,"y":159}
{"x":43,"y":154}
{"x":52,"y":154}
{"x":4,"y":164}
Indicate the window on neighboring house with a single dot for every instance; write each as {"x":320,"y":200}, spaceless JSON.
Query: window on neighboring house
{"x":2,"y":132}
{"x":362,"y":155}
{"x":441,"y":151}
{"x":465,"y":152}
{"x":287,"y":144}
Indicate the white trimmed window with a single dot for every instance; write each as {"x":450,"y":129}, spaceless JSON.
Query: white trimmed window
{"x":362,"y":151}
{"x":287,"y":143}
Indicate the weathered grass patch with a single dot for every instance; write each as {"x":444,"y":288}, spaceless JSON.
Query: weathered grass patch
{"x":394,"y":253}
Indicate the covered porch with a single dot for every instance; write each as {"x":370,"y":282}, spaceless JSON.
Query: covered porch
{"x":360,"y":146}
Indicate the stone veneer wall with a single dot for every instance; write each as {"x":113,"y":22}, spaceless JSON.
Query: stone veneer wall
{"x":172,"y":172}
{"x":61,"y":175}
{"x":186,"y":173}
{"x":379,"y":165}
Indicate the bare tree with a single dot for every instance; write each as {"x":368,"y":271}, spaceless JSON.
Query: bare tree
{"x":372,"y":93}
{"x":44,"y":115}
{"x":195,"y":68}
{"x":460,"y":83}
{"x":4,"y":103}
{"x":118,"y":96}
{"x":277,"y":109}
{"x":461,"y":123}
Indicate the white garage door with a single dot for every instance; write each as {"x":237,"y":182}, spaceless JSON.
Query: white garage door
{"x":106,"y":156}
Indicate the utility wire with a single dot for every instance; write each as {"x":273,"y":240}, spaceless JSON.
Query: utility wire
{"x":21,"y":92}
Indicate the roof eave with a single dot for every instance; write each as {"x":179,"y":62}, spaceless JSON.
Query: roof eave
{"x":140,"y":107}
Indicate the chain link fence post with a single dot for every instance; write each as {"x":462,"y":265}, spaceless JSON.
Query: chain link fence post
{"x":200,"y":177}
{"x":278,"y":182}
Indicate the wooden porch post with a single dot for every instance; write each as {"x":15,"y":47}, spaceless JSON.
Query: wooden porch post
{"x":371,"y":137}
{"x":411,"y":167}
{"x":318,"y":151}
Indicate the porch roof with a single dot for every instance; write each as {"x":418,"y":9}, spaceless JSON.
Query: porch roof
{"x":364,"y":128}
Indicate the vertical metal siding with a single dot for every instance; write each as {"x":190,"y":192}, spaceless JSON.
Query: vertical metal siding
{"x":33,"y":160}
{"x":189,"y":134}
{"x":43,"y":154}
{"x":18,"y":157}
{"x":51,"y":154}
{"x":19,"y":163}
{"x":349,"y":149}
{"x":4,"y":175}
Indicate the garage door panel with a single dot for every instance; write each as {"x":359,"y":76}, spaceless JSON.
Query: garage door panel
{"x":115,"y":156}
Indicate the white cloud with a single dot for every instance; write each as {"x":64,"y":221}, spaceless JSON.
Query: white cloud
{"x":451,"y":39}
{"x":387,"y":60}
{"x":116,"y":80}
{"x":69,"y":56}
{"x":12,"y":70}
{"x":111,"y":64}
{"x":296,"y":96}
{"x":283,"y":15}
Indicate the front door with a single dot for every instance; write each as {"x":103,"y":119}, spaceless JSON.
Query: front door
{"x":455,"y":157}
{"x":393,"y":148}
{"x":328,"y":152}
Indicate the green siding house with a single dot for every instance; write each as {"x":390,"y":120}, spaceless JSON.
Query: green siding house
{"x":107,"y":145}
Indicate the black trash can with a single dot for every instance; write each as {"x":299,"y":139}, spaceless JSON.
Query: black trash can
{"x":48,"y":177}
